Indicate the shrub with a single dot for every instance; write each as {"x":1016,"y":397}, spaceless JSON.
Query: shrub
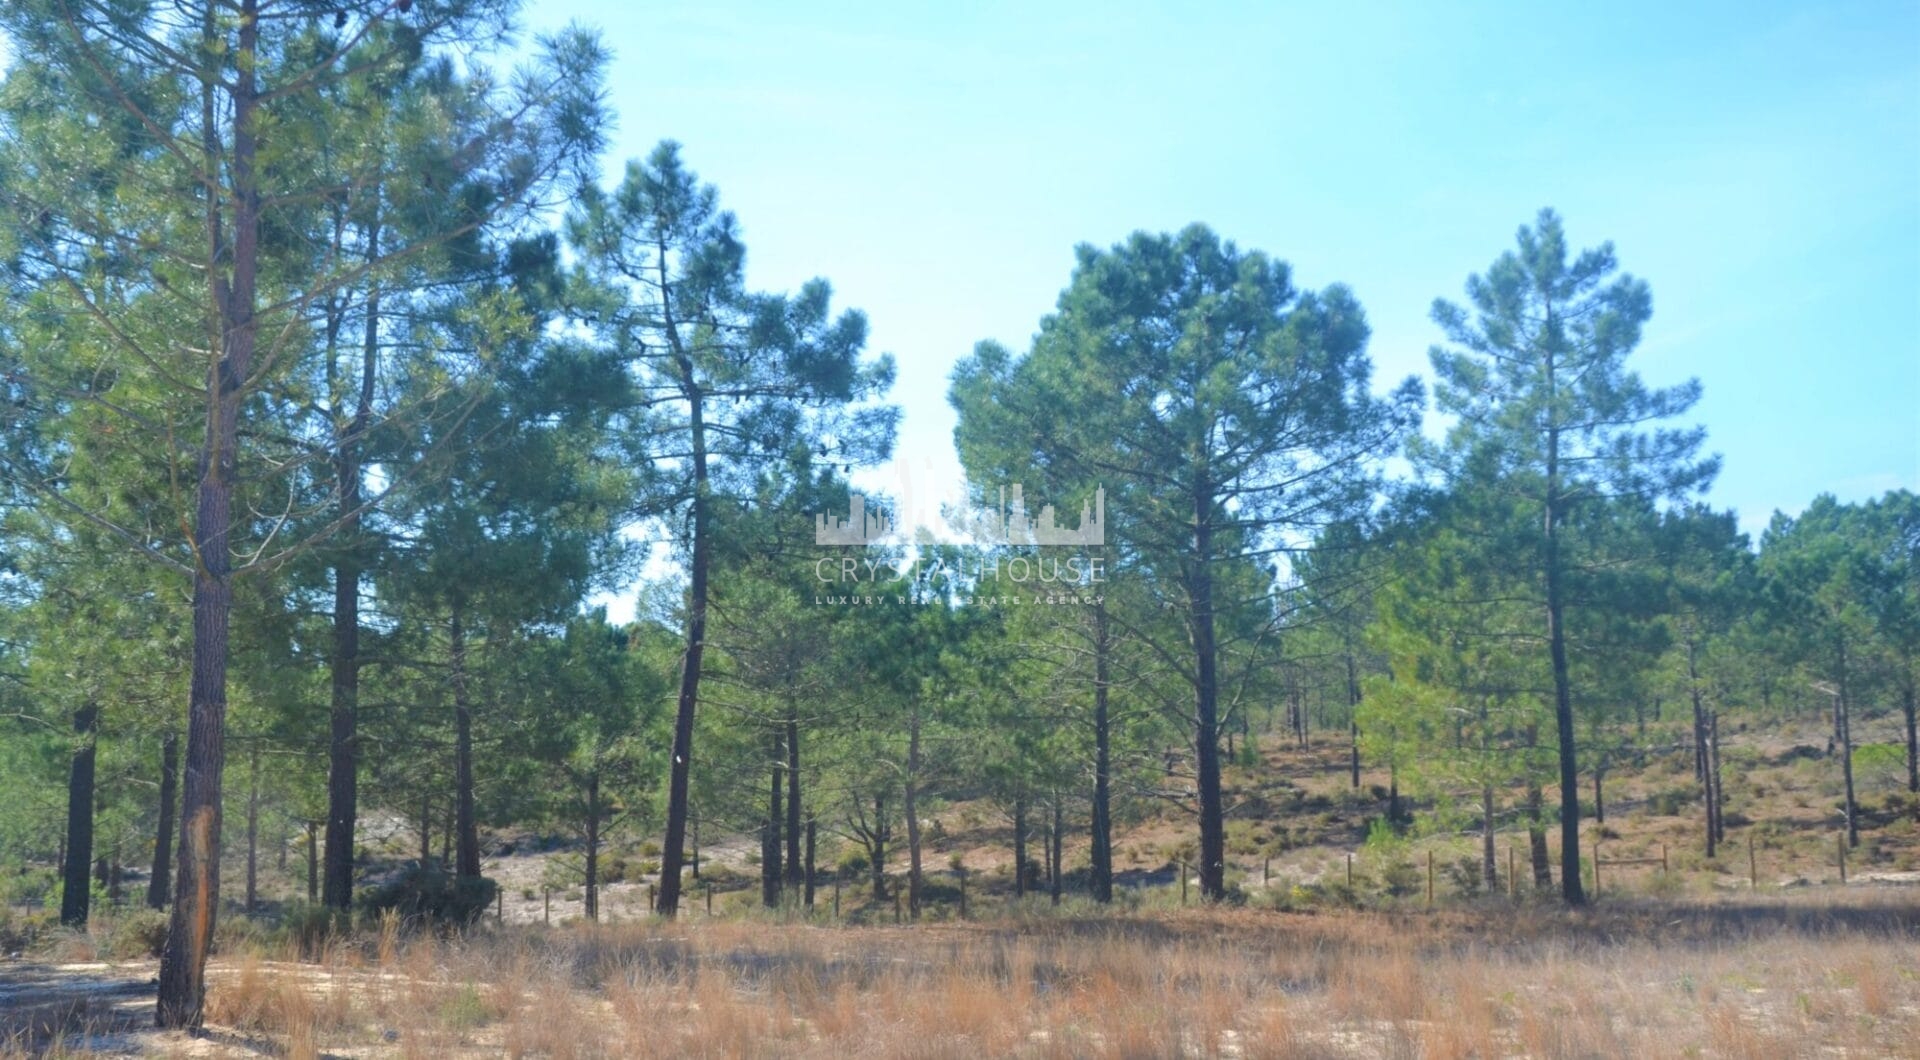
{"x":431,"y":893}
{"x":136,"y":933}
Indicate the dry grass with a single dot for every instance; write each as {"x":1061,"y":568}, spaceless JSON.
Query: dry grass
{"x":1740,"y":979}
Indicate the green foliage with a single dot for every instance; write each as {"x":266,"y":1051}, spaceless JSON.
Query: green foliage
{"x":433,"y":895}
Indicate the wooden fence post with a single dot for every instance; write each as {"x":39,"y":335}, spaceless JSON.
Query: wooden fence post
{"x":546,"y":905}
{"x":1266,"y":871}
{"x":1429,"y":878}
{"x":1596,"y":870}
{"x":1840,"y":845}
{"x":1753,"y":866}
{"x":709,"y":897}
{"x":1183,"y":881}
{"x":1349,"y":870}
{"x":1663,"y":857}
{"x":1511,"y":886}
{"x":836,"y":896}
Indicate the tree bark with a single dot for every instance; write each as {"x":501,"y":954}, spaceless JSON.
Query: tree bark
{"x":466,"y":828}
{"x":1489,"y":863}
{"x":159,"y":880}
{"x":1537,"y":839}
{"x":808,"y":886}
{"x":76,"y":892}
{"x":878,"y":851}
{"x":1571,"y":887}
{"x":1713,"y":773}
{"x":1054,"y":835}
{"x":253,"y":830}
{"x":795,"y":866}
{"x":593,"y":845}
{"x":1353,"y":714}
{"x":181,"y":997}
{"x":910,"y":807}
{"x":770,"y":875}
{"x":313,"y":861}
{"x":1020,"y":847}
{"x":1101,"y":876}
{"x":343,"y":761}
{"x":1842,"y":712}
{"x":1206,"y":741}
{"x":668,"y":901}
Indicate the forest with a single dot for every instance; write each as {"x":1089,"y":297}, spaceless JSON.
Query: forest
{"x":344,"y":400}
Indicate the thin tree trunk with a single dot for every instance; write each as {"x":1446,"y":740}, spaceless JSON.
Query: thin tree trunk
{"x":426,"y":829}
{"x":1713,"y":773}
{"x":809,"y":875}
{"x":770,"y":828}
{"x":911,"y":809}
{"x":1599,"y":800}
{"x":253,"y":830}
{"x":1570,"y":883}
{"x":76,"y":892}
{"x":1537,"y":839}
{"x":1489,"y":864}
{"x":1054,"y":836}
{"x":1353,"y":714}
{"x":879,"y":851}
{"x":1020,"y":847}
{"x":1206,"y":737}
{"x":593,"y":845}
{"x":313,"y":861}
{"x":161,"y":877}
{"x":1842,"y":710}
{"x":1101,"y":875}
{"x":343,"y":747}
{"x":1908,"y":709}
{"x":668,"y":901}
{"x":467,"y":830}
{"x":795,"y":869}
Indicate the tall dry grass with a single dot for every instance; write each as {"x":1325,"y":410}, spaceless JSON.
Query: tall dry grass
{"x":1731,"y":980}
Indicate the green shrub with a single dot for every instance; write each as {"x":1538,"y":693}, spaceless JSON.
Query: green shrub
{"x":431,"y":893}
{"x":136,"y":933}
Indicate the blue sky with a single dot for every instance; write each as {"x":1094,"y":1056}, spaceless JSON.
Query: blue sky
{"x":1757,"y":164}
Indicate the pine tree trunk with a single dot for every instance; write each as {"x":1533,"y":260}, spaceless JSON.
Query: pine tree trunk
{"x":466,"y":859}
{"x":253,"y":830}
{"x":313,"y":861}
{"x":1599,"y":800}
{"x":593,"y":845}
{"x":879,"y":851}
{"x":770,"y":874}
{"x":160,"y":879}
{"x":1907,"y":710}
{"x":1054,"y":836}
{"x":1020,"y":847}
{"x":343,"y":751}
{"x":1570,"y":885}
{"x":181,"y":997}
{"x":1353,"y":724}
{"x":1206,"y":741}
{"x":809,"y":875}
{"x":1489,"y":864}
{"x":910,"y":807}
{"x":795,"y":867}
{"x":1842,"y":710}
{"x":668,"y":900}
{"x":1101,"y":876}
{"x":1713,"y":774}
{"x":76,"y":892}
{"x":1537,"y":839}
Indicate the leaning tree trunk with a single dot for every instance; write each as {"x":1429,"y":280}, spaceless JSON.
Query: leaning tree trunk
{"x":1101,"y":876}
{"x":158,"y":880}
{"x":76,"y":891}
